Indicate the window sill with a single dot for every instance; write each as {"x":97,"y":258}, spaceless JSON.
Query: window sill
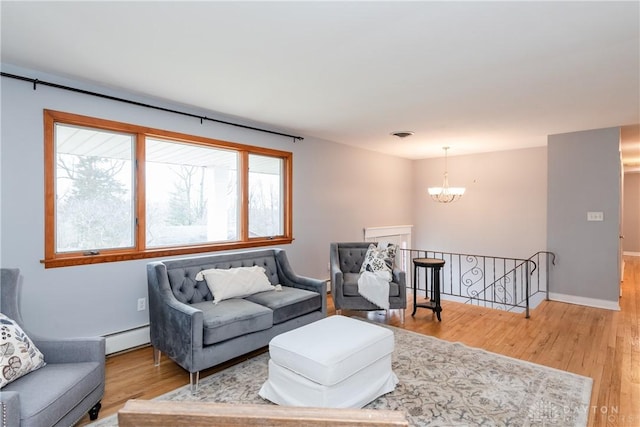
{"x":69,"y":261}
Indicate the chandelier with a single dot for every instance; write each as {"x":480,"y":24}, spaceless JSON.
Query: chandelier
{"x":445,"y":194}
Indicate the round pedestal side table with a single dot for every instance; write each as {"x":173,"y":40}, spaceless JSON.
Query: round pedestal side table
{"x":433,"y":264}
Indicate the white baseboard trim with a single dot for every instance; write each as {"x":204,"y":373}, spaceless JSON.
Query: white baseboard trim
{"x":125,"y":340}
{"x":628,"y":253}
{"x":589,"y":302}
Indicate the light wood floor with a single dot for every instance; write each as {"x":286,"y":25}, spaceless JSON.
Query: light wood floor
{"x":601,"y":344}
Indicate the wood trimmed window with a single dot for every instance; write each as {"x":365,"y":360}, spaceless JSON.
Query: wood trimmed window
{"x":116,"y":191}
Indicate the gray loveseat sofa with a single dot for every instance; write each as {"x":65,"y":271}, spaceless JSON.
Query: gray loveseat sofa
{"x":197,"y":334}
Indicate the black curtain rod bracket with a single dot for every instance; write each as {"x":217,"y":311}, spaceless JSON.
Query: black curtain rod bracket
{"x":36,"y":82}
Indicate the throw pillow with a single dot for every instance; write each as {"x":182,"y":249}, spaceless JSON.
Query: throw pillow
{"x":236,"y":282}
{"x":18,"y":354}
{"x":379,"y":258}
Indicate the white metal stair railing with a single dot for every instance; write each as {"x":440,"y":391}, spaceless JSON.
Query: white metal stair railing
{"x":511,"y":284}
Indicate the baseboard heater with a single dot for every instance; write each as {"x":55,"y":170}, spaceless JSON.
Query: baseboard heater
{"x":124,"y":340}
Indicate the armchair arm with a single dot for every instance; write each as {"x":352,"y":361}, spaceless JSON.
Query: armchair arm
{"x":10,"y":401}
{"x":337,"y":276}
{"x":71,"y":350}
{"x":399,"y":276}
{"x":337,"y":280}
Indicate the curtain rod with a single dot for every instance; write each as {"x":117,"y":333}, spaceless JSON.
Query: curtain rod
{"x":36,"y":82}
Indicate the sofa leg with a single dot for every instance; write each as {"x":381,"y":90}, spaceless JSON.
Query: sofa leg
{"x":339,"y":311}
{"x":156,"y":357}
{"x":194,"y":377}
{"x":93,"y":412}
{"x":402,"y":316}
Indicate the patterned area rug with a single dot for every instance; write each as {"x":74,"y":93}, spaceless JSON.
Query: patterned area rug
{"x":441,"y":384}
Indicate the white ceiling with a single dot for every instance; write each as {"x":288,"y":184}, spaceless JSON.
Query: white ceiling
{"x":476,"y":76}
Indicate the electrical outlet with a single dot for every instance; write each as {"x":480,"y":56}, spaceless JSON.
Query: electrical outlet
{"x":142,"y":304}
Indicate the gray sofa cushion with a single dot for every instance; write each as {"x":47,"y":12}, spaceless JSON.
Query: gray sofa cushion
{"x":350,"y":287}
{"x":182,"y":273}
{"x":232,"y":318}
{"x":288,"y":303}
{"x":185,"y":287}
{"x":45,"y":406}
{"x":351,"y":258}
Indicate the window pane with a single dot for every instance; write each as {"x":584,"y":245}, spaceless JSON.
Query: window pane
{"x":191,"y":194}
{"x":93,"y":186}
{"x":266,"y":217}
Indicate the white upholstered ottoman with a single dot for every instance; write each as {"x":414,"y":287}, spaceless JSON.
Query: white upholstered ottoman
{"x":336,"y":362}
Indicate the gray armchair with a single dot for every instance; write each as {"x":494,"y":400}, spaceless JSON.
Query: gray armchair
{"x":67,"y":387}
{"x":345,"y":262}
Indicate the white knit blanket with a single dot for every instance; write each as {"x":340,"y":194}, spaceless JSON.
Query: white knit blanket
{"x":374,"y":287}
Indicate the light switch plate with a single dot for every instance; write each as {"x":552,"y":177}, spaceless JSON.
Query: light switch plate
{"x":595,"y":216}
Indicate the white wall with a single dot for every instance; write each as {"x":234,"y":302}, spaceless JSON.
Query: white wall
{"x":503,"y":212}
{"x":340,"y":190}
{"x":337,"y":192}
